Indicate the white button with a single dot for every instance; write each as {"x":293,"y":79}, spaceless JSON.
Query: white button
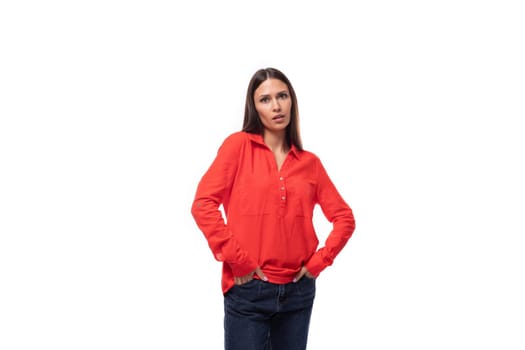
{"x":281,"y":178}
{"x":283,"y":198}
{"x":282,"y":188}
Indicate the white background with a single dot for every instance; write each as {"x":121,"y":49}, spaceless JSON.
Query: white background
{"x":112,"y":110}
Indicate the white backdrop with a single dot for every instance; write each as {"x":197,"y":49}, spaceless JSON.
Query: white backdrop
{"x":112,"y":110}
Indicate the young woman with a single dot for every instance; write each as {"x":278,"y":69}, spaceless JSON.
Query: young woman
{"x":268,"y":187}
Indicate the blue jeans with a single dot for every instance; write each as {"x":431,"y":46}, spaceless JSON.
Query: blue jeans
{"x":263,"y":316}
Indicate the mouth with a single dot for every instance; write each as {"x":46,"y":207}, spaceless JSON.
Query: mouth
{"x":278,"y":117}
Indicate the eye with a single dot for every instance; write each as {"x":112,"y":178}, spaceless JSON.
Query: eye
{"x":283,"y":95}
{"x":264,"y":99}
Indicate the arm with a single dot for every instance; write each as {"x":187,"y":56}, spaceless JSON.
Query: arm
{"x":336,"y":211}
{"x":213,"y":190}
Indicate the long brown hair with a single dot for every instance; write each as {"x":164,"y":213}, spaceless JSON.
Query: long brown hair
{"x":252,"y":124}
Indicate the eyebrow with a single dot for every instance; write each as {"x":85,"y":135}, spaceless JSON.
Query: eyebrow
{"x":280,"y":92}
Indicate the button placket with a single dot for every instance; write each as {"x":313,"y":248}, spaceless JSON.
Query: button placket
{"x":282,"y":189}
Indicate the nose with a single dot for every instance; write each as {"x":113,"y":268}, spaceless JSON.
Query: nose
{"x":276,"y":105}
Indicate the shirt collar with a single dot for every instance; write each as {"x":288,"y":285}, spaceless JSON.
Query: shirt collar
{"x":259,"y":139}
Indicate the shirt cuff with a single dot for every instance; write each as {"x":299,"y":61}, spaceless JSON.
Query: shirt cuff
{"x":316,"y":264}
{"x":240,"y":270}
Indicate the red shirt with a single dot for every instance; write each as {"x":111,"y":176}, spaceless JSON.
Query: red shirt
{"x":268,"y":211}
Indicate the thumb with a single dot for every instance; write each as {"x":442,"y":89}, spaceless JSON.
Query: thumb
{"x":300,"y":274}
{"x":261,"y":275}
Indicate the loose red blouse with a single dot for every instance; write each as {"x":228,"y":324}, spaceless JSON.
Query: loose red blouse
{"x":268,"y":218}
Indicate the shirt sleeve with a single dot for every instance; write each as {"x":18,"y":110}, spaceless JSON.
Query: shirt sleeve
{"x":213,"y":190}
{"x":339,"y":213}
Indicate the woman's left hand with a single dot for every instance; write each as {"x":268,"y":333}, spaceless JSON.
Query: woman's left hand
{"x":303,"y":272}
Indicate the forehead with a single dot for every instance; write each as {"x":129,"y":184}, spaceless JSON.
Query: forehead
{"x":270,"y":86}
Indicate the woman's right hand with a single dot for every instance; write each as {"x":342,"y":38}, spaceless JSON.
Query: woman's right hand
{"x":247,"y":278}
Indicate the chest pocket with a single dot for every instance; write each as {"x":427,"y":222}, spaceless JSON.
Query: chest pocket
{"x":302,"y":197}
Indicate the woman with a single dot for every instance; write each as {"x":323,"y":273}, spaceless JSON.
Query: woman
{"x":268,"y":187}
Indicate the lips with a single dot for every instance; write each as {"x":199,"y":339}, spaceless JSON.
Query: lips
{"x":278,"y":117}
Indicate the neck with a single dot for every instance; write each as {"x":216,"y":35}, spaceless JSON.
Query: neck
{"x":275,"y":141}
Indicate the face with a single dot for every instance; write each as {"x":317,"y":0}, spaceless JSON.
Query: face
{"x":273,"y":104}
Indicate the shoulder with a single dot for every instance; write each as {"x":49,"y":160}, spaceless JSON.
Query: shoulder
{"x":309,"y":156}
{"x":312,"y":160}
{"x":235,"y":138}
{"x":234,"y":141}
